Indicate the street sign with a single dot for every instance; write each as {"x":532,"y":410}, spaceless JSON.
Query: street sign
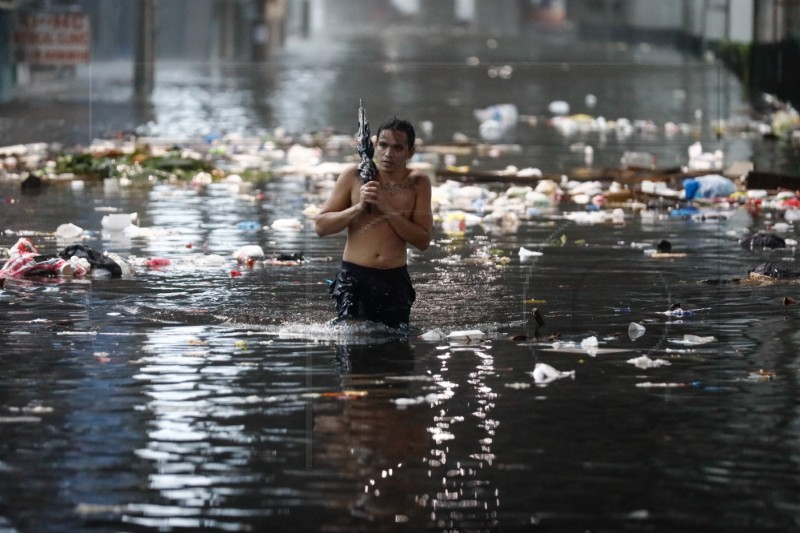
{"x":51,"y":38}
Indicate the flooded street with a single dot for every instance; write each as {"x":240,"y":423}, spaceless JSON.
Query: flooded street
{"x":187,"y":397}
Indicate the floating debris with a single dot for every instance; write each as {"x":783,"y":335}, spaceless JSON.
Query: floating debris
{"x":645,"y":362}
{"x":544,"y":374}
{"x":693,"y":340}
{"x":635,"y":330}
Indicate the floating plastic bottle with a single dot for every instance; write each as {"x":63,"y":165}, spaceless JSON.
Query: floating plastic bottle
{"x":249,"y":225}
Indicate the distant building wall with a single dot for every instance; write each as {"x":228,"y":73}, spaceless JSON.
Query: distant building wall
{"x":6,"y":64}
{"x":654,"y":15}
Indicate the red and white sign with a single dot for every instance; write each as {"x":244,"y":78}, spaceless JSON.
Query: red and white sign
{"x":52,"y":38}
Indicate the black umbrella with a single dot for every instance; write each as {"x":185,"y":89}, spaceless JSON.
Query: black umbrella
{"x":367,"y":168}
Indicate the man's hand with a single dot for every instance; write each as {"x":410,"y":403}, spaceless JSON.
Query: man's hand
{"x":371,"y":195}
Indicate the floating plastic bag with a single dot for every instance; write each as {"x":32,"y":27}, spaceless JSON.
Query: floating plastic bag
{"x":693,"y":339}
{"x":646,"y":362}
{"x":544,"y":373}
{"x":590,"y":345}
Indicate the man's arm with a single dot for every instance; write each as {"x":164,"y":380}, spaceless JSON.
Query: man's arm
{"x":417,"y":229}
{"x":337,"y":211}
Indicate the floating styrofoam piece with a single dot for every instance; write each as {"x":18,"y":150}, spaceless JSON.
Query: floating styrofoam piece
{"x":645,"y":362}
{"x":134,"y":231}
{"x":466,"y":335}
{"x":524,"y":253}
{"x":405,"y":402}
{"x":118,"y":221}
{"x":544,"y":373}
{"x":287,"y":224}
{"x":590,"y":345}
{"x":694,"y":339}
{"x":558,"y":107}
{"x":589,"y":342}
{"x":432,"y":335}
{"x":68,"y":231}
{"x":210,"y":260}
{"x":248,"y":252}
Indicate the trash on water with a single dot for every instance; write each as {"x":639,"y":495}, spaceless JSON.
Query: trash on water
{"x":69,"y":231}
{"x":700,"y":160}
{"x":693,"y":340}
{"x":467,"y":335}
{"x":118,"y":221}
{"x":544,"y":374}
{"x":126,"y":267}
{"x":762,"y":241}
{"x":650,"y":385}
{"x":645,"y":362}
{"x":287,"y":224}
{"x":558,"y":107}
{"x":635,"y":330}
{"x":248,"y":253}
{"x":761,"y":375}
{"x":405,"y":402}
{"x":708,"y":186}
{"x":157,"y":262}
{"x":590,"y":345}
{"x":249,"y":225}
{"x":132,"y":231}
{"x":433,"y":335}
{"x":658,"y":187}
{"x":678,"y":312}
{"x":496,"y":120}
{"x":638,"y":160}
{"x":524,"y":253}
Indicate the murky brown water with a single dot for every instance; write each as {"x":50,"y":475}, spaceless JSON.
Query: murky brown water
{"x":184,"y":399}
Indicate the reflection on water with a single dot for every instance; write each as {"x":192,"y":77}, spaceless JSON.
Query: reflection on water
{"x":187,"y":398}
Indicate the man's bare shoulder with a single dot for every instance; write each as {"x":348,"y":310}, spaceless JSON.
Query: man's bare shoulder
{"x":349,"y":172}
{"x":419,"y":177}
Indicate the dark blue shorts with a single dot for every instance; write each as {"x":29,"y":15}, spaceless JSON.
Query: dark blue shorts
{"x":375,"y":294}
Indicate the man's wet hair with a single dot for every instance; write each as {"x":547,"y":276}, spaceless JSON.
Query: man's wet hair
{"x":396,"y":124}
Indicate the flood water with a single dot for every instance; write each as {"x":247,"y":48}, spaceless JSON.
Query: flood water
{"x":185,"y":399}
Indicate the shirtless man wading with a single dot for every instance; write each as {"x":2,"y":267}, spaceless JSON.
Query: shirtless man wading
{"x":373,"y":283}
